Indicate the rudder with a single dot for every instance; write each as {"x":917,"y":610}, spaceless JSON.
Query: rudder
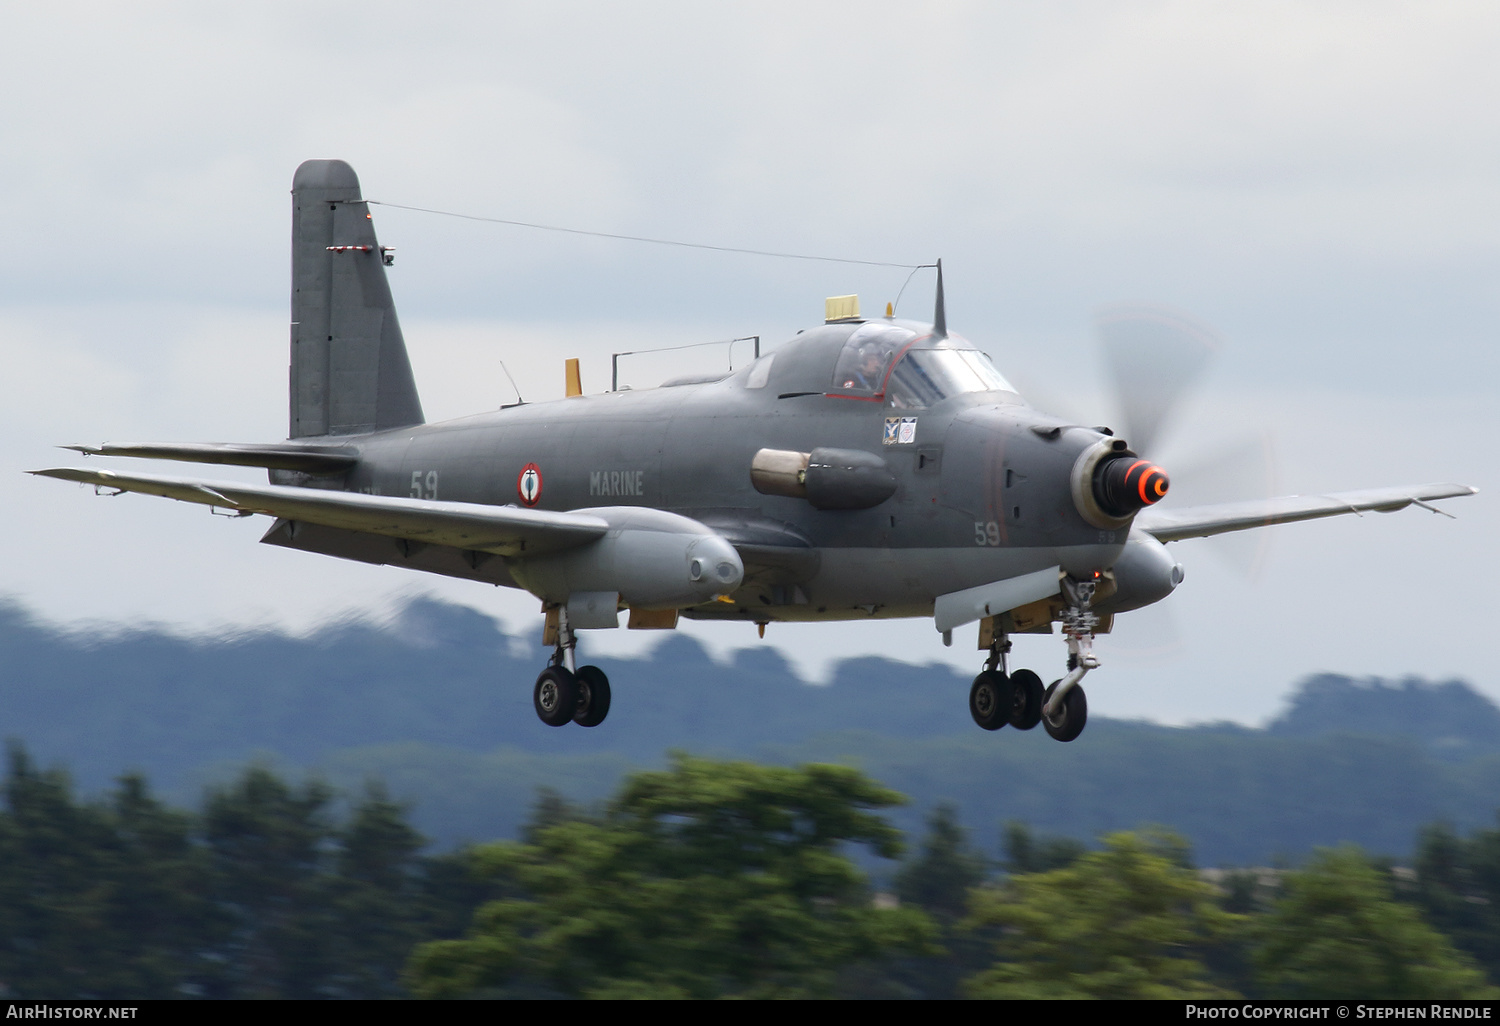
{"x":349,"y":370}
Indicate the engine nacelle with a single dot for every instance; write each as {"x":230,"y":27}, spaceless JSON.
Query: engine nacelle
{"x":1144,"y":573}
{"x":649,"y":558}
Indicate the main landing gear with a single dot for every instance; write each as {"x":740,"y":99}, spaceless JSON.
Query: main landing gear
{"x":563,"y":693}
{"x":998,"y":697}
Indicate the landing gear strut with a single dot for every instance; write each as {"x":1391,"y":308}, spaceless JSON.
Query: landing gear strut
{"x":564,"y":693}
{"x":1066,"y":708}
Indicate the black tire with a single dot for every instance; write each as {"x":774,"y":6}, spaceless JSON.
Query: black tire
{"x":1026,"y":700}
{"x":555,"y":696}
{"x":593,"y":696}
{"x":990,"y":699}
{"x":1070,"y":719}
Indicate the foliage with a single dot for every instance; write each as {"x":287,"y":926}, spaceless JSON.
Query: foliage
{"x":708,"y":879}
{"x":936,"y":879}
{"x":1125,"y":922}
{"x":939,"y":878}
{"x":104,"y":900}
{"x":1025,"y":852}
{"x":266,"y":893}
{"x":1458,"y":889}
{"x":1338,"y":932}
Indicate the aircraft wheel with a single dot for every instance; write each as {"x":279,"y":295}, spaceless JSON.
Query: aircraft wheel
{"x":593,"y":696}
{"x":1026,"y":700}
{"x":1069,"y":721}
{"x":990,"y":699}
{"x":555,"y":696}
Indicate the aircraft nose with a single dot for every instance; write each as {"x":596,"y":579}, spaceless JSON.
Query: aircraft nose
{"x":1126,"y":484}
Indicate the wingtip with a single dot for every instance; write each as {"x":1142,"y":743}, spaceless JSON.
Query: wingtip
{"x":69,"y":473}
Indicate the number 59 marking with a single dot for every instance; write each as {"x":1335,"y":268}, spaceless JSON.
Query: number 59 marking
{"x":986,"y":532}
{"x":417,"y":489}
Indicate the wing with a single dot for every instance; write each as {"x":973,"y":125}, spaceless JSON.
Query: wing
{"x":308,"y":458}
{"x":503,"y":530}
{"x":1201,"y":521}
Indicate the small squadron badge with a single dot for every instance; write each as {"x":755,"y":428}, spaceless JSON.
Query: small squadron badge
{"x":900,"y":430}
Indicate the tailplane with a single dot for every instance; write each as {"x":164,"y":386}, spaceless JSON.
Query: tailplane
{"x":350,"y":373}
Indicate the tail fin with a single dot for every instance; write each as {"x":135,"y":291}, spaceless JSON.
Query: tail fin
{"x":350,"y":372}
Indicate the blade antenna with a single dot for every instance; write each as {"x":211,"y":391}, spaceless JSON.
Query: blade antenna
{"x":519,"y":400}
{"x":939,"y":314}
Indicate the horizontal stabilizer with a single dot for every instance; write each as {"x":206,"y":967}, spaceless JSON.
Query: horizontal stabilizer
{"x":1201,"y":521}
{"x":309,"y":459}
{"x":960,"y":607}
{"x":504,"y":530}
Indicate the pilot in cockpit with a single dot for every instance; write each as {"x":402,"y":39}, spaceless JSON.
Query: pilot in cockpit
{"x":869,"y":374}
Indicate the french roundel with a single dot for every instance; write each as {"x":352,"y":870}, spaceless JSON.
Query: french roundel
{"x":529,"y":484}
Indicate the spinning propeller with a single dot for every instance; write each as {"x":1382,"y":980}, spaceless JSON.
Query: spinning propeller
{"x":1156,"y":361}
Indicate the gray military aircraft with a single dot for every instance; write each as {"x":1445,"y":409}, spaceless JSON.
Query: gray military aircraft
{"x":866,"y":468}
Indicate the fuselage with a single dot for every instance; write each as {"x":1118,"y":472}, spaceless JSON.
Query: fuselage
{"x":982,"y":481}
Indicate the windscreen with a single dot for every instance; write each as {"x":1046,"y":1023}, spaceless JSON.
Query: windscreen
{"x":931,"y":371}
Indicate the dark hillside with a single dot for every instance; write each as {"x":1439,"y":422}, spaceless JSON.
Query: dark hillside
{"x":1449,"y":720}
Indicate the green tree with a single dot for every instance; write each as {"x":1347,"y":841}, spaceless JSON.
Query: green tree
{"x":54,"y":892}
{"x":1337,"y":932}
{"x":1025,"y":852}
{"x":377,"y":895}
{"x":1129,"y":921}
{"x":708,"y":879}
{"x":269,"y":845}
{"x":160,"y":908}
{"x":939,"y":878}
{"x":1458,"y":889}
{"x":97,"y":899}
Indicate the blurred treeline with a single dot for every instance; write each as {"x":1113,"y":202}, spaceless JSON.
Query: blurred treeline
{"x":437,"y":704}
{"x":706,"y":879}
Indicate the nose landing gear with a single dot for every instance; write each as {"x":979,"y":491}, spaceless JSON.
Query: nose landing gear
{"x":564,"y":694}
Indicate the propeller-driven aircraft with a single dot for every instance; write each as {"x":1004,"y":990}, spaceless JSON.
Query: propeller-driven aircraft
{"x":866,"y":468}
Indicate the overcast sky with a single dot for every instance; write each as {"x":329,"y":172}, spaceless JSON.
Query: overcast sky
{"x":1318,"y":182}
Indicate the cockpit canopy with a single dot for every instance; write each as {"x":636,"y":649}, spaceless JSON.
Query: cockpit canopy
{"x":911,"y":371}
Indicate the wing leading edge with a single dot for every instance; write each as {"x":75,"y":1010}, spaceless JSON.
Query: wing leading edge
{"x":1201,"y":521}
{"x":503,"y":530}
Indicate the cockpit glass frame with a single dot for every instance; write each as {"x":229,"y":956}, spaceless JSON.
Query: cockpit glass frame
{"x":911,"y":372}
{"x":864,"y":363}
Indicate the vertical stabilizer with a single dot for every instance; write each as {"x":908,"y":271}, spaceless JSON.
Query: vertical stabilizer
{"x":350,"y":373}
